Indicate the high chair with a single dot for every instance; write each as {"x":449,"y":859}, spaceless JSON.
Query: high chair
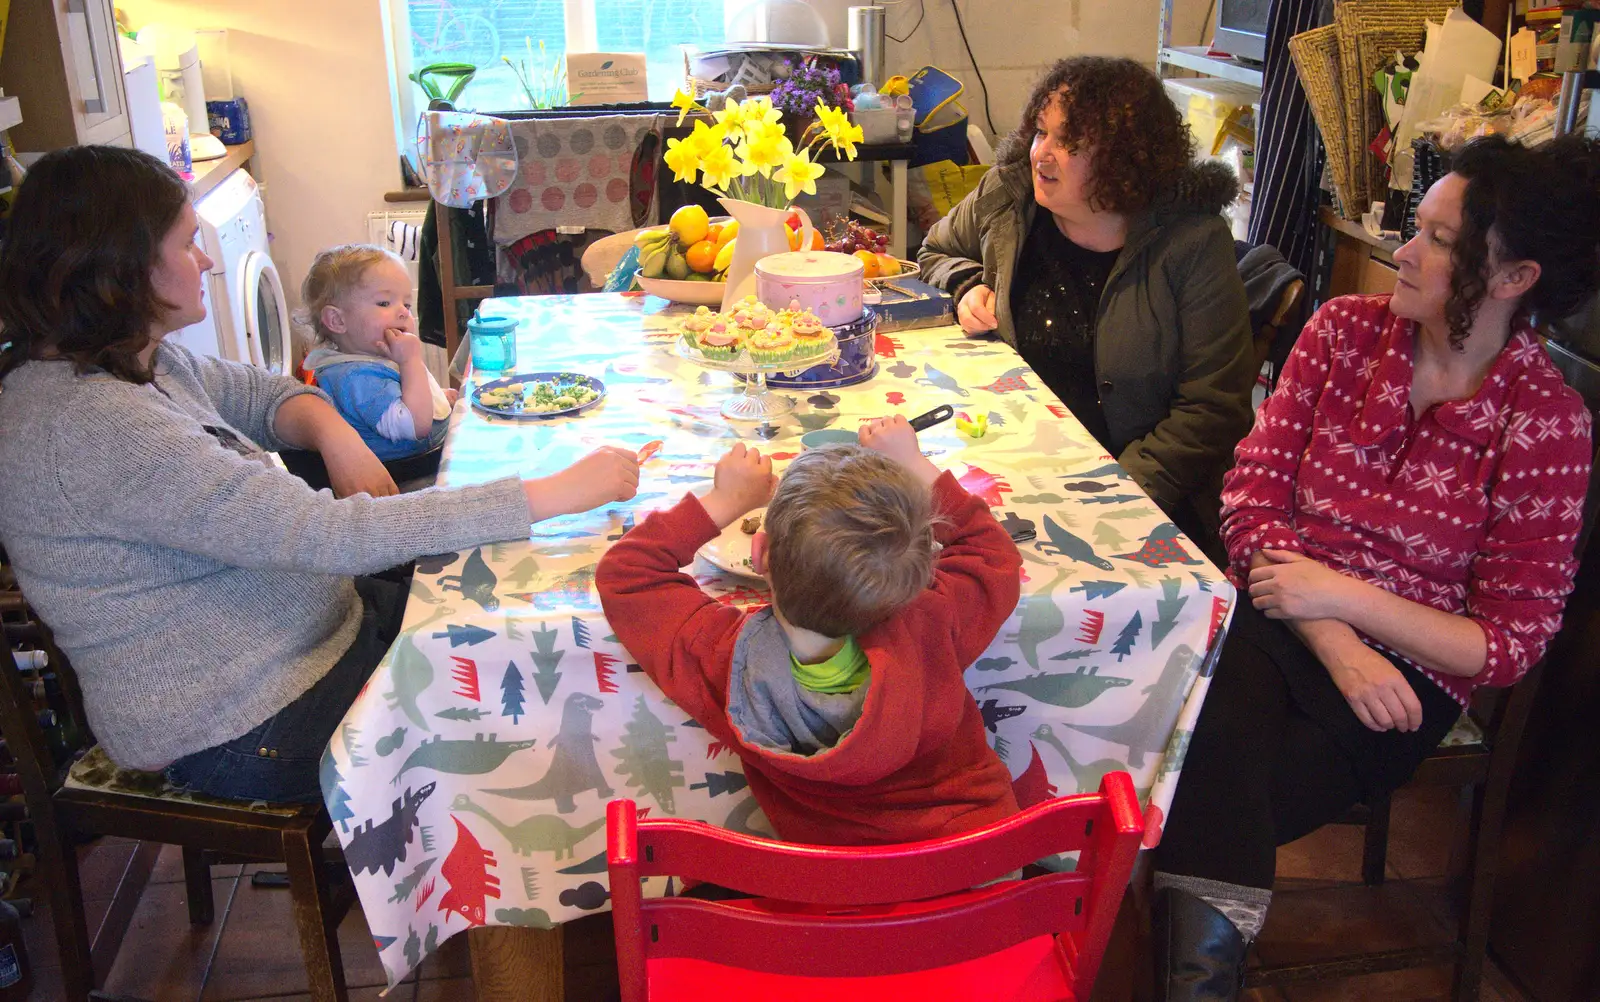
{"x":880,"y":922}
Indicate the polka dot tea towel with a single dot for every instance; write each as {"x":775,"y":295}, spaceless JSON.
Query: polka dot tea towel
{"x":574,"y":172}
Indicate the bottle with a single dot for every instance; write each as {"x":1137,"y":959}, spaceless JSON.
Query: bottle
{"x":175,"y":123}
{"x":16,"y":981}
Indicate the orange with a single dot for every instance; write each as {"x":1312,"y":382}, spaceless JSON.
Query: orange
{"x":714,"y":233}
{"x":701,"y":256}
{"x":869,"y":262}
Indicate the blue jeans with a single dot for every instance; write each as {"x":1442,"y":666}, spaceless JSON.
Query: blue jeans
{"x":278,"y":761}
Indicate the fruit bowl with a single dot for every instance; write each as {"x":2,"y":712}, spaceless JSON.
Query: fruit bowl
{"x":693,"y":293}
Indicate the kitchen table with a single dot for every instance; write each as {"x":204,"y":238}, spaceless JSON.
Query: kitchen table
{"x":468,"y":782}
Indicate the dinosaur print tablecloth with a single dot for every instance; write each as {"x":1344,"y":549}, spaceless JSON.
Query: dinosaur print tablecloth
{"x":468,"y":783}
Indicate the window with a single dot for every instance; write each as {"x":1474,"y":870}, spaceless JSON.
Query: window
{"x":481,"y":32}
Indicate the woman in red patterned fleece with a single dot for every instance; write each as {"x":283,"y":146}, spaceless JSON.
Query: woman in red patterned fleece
{"x":1403,"y":516}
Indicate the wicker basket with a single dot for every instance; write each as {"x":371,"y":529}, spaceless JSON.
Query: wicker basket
{"x":700,"y":88}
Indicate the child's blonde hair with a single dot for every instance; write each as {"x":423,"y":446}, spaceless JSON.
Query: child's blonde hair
{"x":334,"y":273}
{"x":849,"y":540}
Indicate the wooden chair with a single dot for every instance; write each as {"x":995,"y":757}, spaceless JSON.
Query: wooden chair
{"x":882,"y":922}
{"x":1266,"y":335}
{"x":450,"y":292}
{"x":94,"y":798}
{"x":1479,"y":755}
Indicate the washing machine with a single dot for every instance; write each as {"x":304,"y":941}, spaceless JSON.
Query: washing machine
{"x":247,"y":316}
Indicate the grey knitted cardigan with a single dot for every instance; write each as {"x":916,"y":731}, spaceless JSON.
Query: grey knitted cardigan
{"x":196,"y":588}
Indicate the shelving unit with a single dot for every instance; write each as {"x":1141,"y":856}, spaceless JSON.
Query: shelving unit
{"x":1194,"y":59}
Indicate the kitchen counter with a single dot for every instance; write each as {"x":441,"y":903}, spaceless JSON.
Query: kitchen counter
{"x":209,"y":173}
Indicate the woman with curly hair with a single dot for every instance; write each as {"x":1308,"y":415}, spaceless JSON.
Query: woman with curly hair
{"x":1404,"y":517}
{"x":1096,"y":249}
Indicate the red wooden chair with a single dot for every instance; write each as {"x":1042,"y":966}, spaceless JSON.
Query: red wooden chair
{"x":880,"y":922}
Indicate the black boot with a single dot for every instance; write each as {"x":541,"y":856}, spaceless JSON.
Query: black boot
{"x":1199,"y":953}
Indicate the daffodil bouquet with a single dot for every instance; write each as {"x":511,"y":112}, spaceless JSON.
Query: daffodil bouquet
{"x":746,"y":154}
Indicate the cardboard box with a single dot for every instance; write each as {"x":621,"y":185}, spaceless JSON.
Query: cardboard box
{"x":606,"y":77}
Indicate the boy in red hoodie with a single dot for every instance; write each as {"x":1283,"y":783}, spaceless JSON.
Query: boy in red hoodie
{"x":844,"y":698}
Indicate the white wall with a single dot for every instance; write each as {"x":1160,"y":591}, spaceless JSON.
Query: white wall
{"x":316,"y":74}
{"x":1016,"y":40}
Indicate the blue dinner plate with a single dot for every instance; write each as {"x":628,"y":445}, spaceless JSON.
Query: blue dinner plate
{"x":561,"y":379}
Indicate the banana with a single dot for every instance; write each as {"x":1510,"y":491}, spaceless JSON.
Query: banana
{"x":653,"y":260}
{"x":647,"y":238}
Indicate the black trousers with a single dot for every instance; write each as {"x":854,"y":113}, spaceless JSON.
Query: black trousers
{"x":1278,"y":753}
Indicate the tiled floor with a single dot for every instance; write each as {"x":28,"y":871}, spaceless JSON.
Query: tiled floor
{"x":251,"y":952}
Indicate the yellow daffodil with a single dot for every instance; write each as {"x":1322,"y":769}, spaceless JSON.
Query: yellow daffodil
{"x":759,"y":112}
{"x":842,"y":134}
{"x":765,"y":152}
{"x":684,"y":103}
{"x":798,"y":174}
{"x":756,"y":129}
{"x":718,"y":167}
{"x":683,"y":157}
{"x":706,"y":138}
{"x":831,"y":118}
{"x":731,"y":117}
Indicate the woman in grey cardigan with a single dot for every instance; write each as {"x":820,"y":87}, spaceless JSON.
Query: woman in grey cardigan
{"x":1122,"y":294}
{"x":206,"y":598}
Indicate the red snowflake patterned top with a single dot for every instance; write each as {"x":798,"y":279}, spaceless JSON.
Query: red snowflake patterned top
{"x":1473,"y":508}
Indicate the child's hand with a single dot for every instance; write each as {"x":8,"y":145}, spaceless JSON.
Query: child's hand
{"x":895,"y":438}
{"x":403,"y":347}
{"x":452,"y":396}
{"x":605,"y":475}
{"x":744,"y":481}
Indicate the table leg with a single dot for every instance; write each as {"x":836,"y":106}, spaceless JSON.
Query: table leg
{"x":897,"y":212}
{"x":512,"y":963}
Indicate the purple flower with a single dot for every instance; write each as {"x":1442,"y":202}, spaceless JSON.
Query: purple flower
{"x":808,"y":83}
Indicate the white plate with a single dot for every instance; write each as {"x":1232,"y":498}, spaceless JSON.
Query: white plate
{"x":730,"y":551}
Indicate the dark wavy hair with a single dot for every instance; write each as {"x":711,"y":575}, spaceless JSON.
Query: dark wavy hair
{"x":1117,"y":109}
{"x":1521,"y":203}
{"x":75,"y":270}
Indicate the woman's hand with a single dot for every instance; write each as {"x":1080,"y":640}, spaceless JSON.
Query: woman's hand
{"x":605,"y":475}
{"x":1375,"y":689}
{"x":1294,"y":586}
{"x":976,"y":310}
{"x":744,"y":481}
{"x":353,"y":469}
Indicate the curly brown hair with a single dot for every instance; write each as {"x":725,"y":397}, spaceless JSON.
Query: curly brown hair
{"x":76,"y":267}
{"x":1118,"y":110}
{"x":1522,"y":203}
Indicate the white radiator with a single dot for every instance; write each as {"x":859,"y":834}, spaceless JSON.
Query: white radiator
{"x":398,"y":230}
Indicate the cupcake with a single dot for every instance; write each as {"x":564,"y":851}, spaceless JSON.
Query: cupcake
{"x":718,"y":343}
{"x":773,"y":344}
{"x":809,"y":333}
{"x":699,"y":322}
{"x":751,"y":314}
